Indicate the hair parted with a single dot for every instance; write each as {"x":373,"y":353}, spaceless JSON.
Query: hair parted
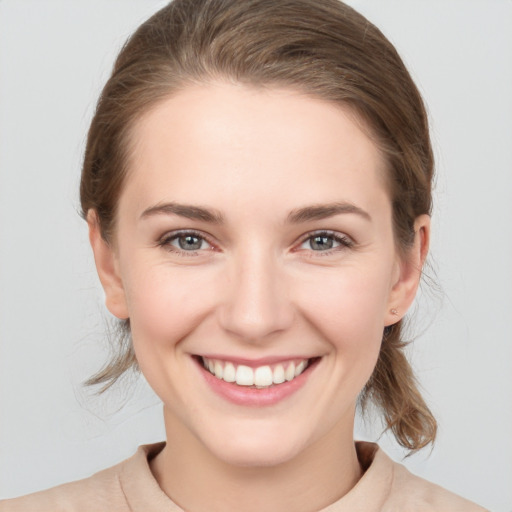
{"x":323,"y":48}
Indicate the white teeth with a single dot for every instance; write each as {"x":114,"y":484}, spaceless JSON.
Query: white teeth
{"x":300,"y":368}
{"x":261,"y":377}
{"x":244,"y":376}
{"x":278,"y":376}
{"x":289,"y":374}
{"x":219,"y":371}
{"x":229,"y":372}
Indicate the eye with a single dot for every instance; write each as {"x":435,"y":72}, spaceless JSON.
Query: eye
{"x":185,"y":242}
{"x":325,"y":241}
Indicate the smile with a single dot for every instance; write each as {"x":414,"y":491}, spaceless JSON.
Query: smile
{"x":260,"y":376}
{"x":252,"y":383}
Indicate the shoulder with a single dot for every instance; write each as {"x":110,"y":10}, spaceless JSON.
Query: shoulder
{"x":410,"y":492}
{"x":103,"y":491}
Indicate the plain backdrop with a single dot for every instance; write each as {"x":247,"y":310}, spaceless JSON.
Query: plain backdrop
{"x":54,"y":57}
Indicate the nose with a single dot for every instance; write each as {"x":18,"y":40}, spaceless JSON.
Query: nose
{"x":256,"y":304}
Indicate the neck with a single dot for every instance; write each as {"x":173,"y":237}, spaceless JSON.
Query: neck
{"x":197,"y":480}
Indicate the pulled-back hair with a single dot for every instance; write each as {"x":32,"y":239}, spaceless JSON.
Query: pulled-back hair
{"x":323,"y":48}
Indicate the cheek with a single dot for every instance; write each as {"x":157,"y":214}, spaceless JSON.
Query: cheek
{"x":349,"y":310}
{"x":165,"y":305}
{"x":356,"y":293}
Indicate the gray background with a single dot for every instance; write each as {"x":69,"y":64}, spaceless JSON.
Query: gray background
{"x":54,"y":57}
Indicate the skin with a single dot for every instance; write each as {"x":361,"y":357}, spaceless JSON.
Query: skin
{"x":256,"y":287}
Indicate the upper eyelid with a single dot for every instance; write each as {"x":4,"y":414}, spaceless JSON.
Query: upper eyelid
{"x":179,"y":232}
{"x":328,"y":232}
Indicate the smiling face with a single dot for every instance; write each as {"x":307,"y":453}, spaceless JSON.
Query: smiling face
{"x":254,"y":241}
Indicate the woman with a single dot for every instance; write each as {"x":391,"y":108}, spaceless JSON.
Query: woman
{"x":257,"y":185}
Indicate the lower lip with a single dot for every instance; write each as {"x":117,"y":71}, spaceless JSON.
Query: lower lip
{"x":254,"y":397}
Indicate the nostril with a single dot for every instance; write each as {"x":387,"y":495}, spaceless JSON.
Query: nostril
{"x":255,"y":321}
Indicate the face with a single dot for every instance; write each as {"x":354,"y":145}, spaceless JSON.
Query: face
{"x":254,"y":241}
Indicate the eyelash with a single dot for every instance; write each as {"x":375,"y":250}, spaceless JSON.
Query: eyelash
{"x":168,"y":238}
{"x":344,"y":242}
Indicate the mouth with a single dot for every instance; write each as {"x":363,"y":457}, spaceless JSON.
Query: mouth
{"x":254,"y":376}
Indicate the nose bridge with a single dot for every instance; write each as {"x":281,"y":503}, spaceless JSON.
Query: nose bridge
{"x":256,"y":303}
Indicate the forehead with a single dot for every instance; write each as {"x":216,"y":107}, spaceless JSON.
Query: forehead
{"x":232,"y":142}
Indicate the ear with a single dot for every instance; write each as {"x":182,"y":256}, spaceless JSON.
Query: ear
{"x":107,"y":266}
{"x":408,"y":275}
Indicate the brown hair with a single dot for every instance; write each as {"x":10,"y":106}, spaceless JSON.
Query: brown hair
{"x":321,"y":47}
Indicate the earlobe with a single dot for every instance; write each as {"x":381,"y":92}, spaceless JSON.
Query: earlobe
{"x":107,"y":268}
{"x":409,"y":272}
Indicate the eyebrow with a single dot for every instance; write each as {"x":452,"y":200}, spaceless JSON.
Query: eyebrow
{"x":297,"y":216}
{"x":324,"y":211}
{"x":184,"y":210}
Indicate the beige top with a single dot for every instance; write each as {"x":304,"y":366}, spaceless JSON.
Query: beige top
{"x":130,"y":487}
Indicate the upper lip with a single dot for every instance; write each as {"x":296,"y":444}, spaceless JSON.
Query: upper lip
{"x":254,"y":363}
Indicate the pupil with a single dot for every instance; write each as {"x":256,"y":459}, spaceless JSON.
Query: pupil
{"x":322,"y":243}
{"x":189,"y":242}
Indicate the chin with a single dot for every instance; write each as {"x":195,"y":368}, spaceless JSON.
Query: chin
{"x":257,"y":447}
{"x":255,"y":456}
